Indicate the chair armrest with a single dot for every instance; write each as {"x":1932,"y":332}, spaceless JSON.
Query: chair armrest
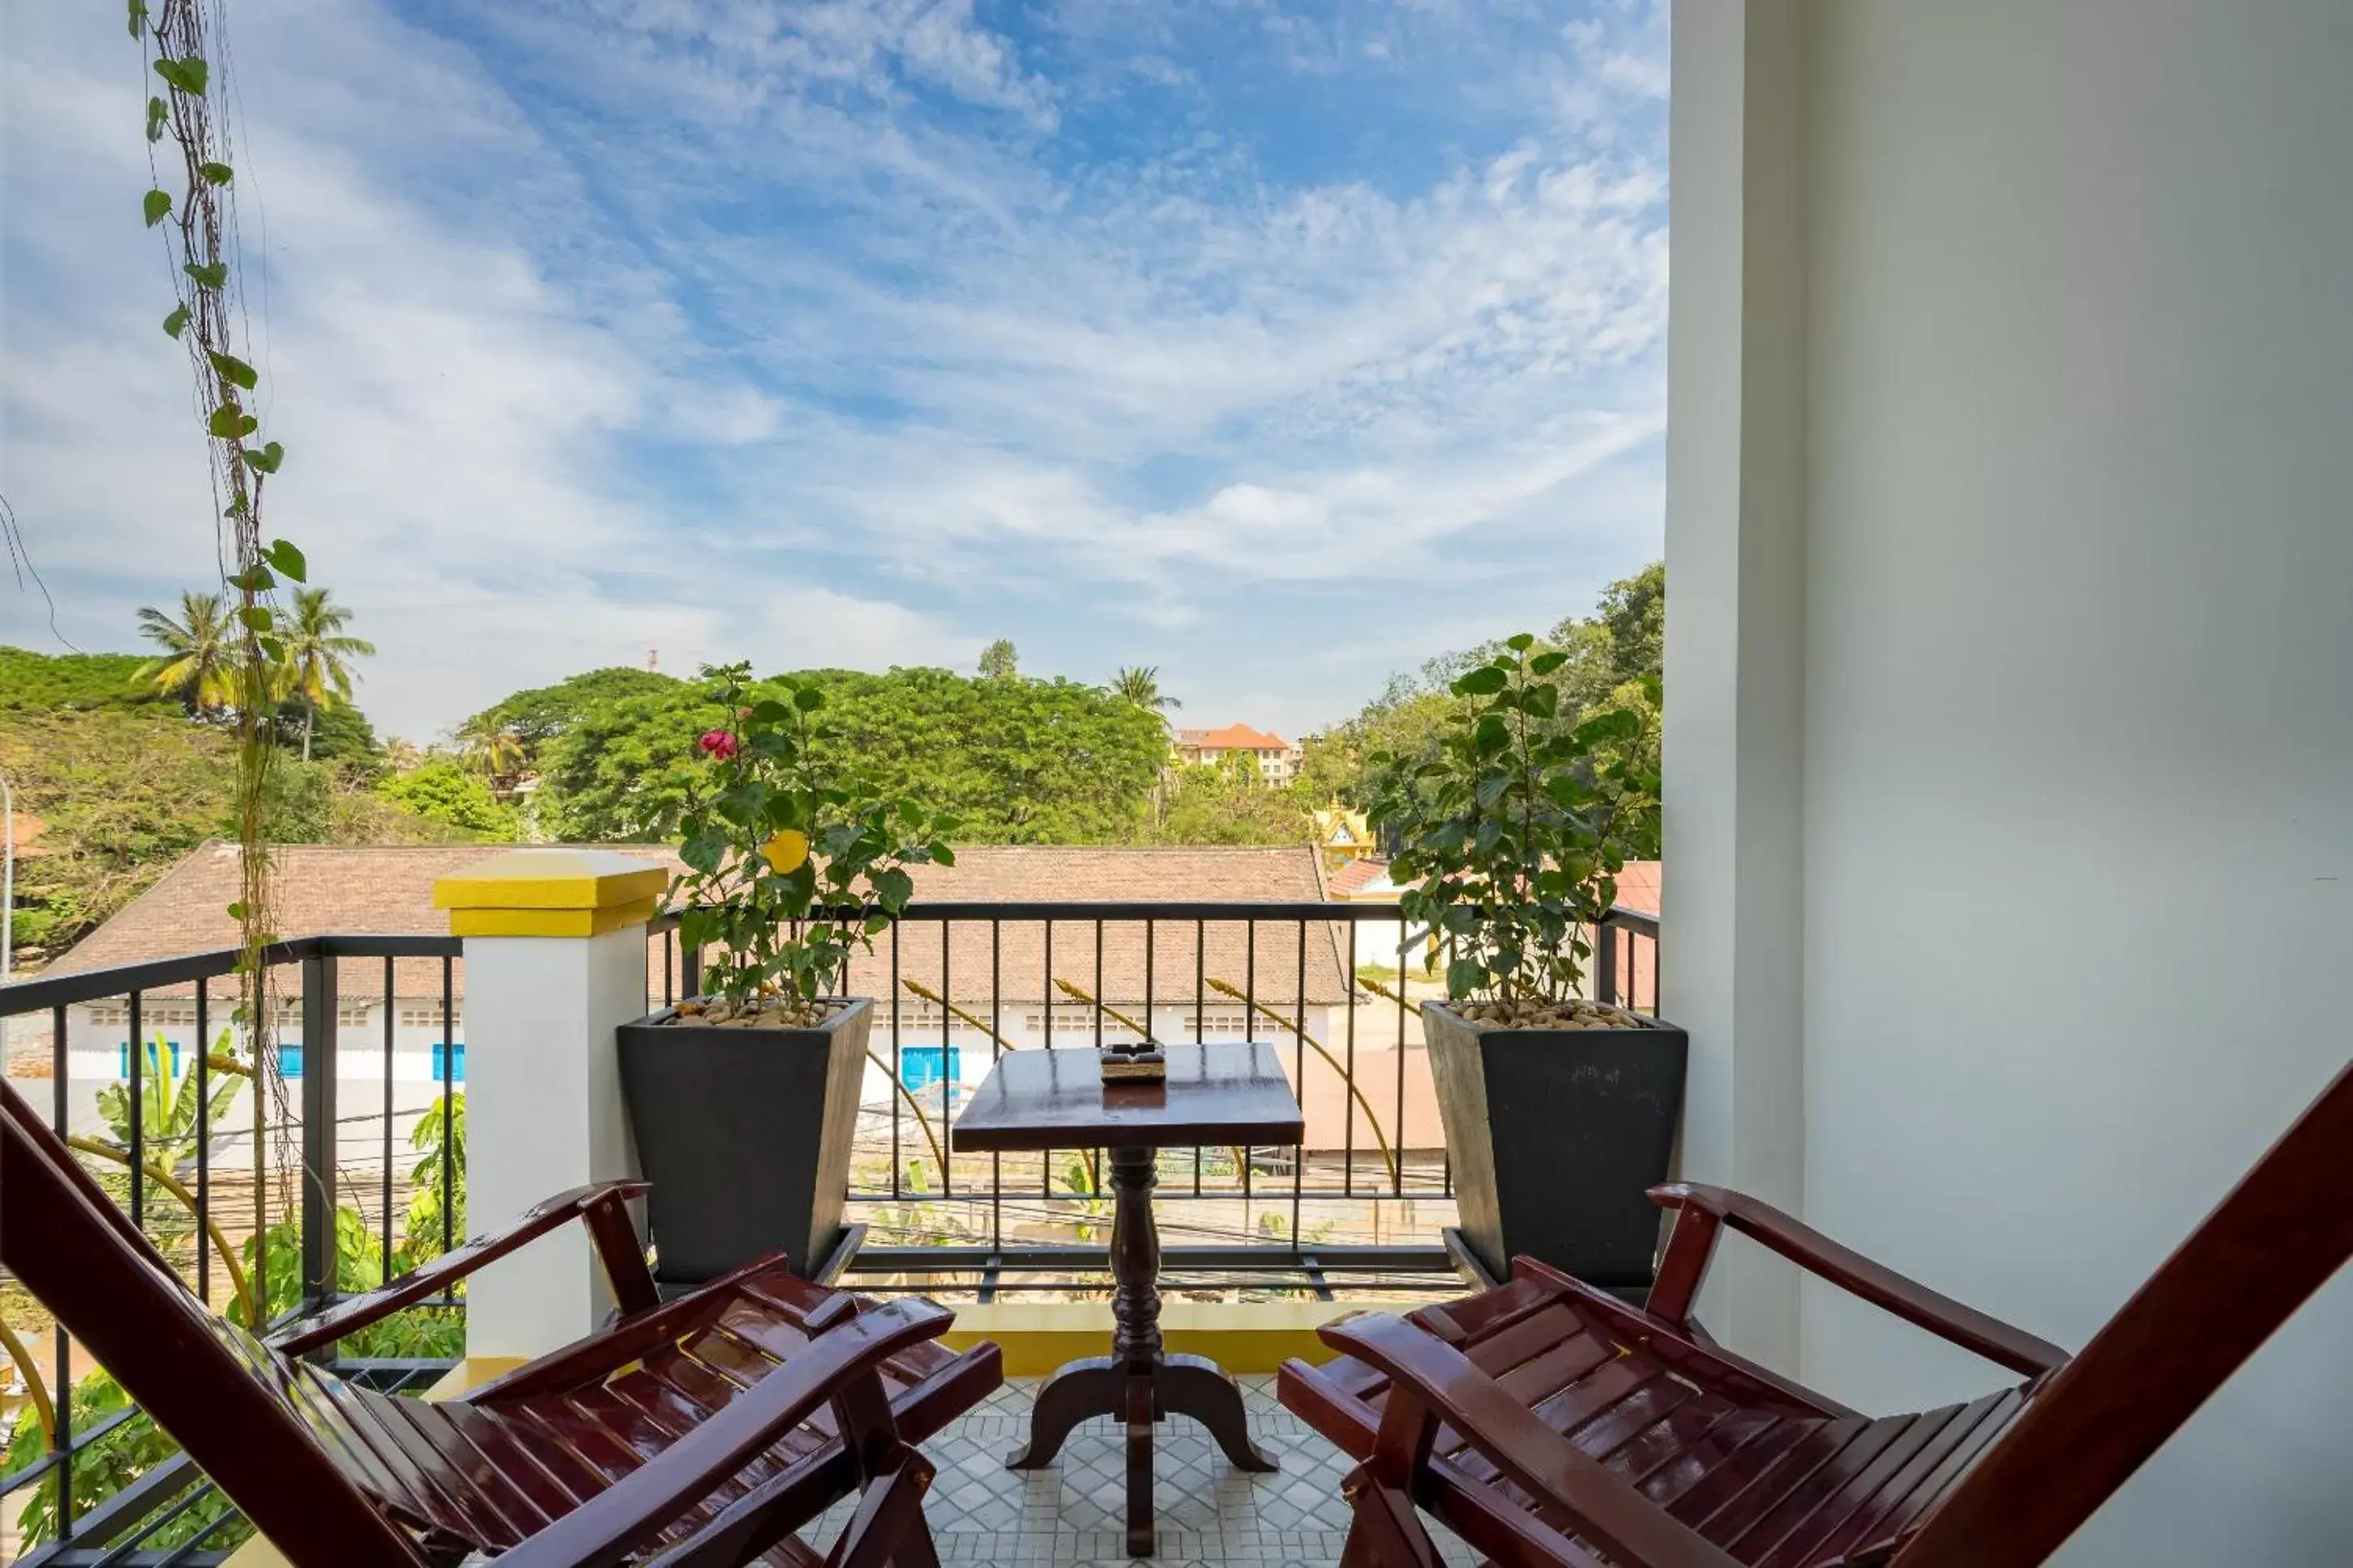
{"x":1703,"y":1209}
{"x":598,"y":1201}
{"x":1574,"y":1493}
{"x":609,"y":1526}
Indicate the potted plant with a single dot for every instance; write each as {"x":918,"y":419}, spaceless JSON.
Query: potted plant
{"x":743,"y":1099}
{"x":1559,"y":1112}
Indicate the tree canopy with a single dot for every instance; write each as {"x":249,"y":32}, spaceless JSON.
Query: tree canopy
{"x":30,"y":679}
{"x":1019,"y":761}
{"x":1611,"y":654}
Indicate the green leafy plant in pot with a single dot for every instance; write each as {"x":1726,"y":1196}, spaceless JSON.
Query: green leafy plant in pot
{"x":744,"y":1099}
{"x":1560,"y":1111}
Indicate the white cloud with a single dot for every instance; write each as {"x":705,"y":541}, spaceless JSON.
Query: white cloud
{"x":845,"y":332}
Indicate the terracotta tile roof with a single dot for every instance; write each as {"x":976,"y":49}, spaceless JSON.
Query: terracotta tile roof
{"x":1357,"y":874}
{"x":380,"y":890}
{"x":1233,"y":738}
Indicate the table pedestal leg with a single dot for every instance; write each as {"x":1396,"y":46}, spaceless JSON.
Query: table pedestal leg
{"x":1138,"y":1383}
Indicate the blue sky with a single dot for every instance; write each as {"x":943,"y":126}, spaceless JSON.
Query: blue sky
{"x":1279,"y":346}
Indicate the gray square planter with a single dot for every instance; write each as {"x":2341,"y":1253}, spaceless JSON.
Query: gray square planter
{"x":745,"y":1135}
{"x":1556,"y":1135}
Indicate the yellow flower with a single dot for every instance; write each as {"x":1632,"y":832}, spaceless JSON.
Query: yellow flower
{"x":786,"y":852}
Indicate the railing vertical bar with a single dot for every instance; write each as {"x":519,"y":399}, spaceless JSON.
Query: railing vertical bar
{"x":61,"y":1071}
{"x":1249,"y":1032}
{"x":1658,"y":974}
{"x":319,"y":1129}
{"x":1397,"y":1170}
{"x":947,"y":1045}
{"x":1298,"y":1076}
{"x":390,"y":986}
{"x":136,"y":1059}
{"x":449,"y":1110}
{"x":1046,"y":1159}
{"x":1200,"y":998}
{"x":898,"y":1074}
{"x":204,"y":1142}
{"x":996,"y":1049}
{"x":1349,"y":1099}
{"x":1100,"y":1157}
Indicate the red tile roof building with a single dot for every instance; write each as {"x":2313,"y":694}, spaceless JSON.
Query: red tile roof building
{"x":1278,"y":759}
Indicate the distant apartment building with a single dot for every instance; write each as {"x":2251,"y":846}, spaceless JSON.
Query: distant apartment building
{"x":1278,"y":759}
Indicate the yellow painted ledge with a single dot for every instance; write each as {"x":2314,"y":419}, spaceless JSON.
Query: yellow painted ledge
{"x":550,"y":922}
{"x":1036,"y":1337}
{"x":551,"y":879}
{"x":551,"y":893}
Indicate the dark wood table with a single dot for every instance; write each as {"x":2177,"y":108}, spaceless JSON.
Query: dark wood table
{"x":1216,"y":1094}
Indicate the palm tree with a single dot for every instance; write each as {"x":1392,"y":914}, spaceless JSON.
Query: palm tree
{"x":313,"y":667}
{"x":494,"y":751}
{"x":199,"y":661}
{"x":1140,"y":684}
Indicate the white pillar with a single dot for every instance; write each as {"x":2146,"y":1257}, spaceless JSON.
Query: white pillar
{"x":555,"y":960}
{"x":1732,"y":963}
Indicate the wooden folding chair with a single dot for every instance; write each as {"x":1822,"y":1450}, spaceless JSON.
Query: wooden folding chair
{"x":702,"y":1431}
{"x":1550,"y":1424}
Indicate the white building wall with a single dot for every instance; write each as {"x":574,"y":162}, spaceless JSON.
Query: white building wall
{"x":2076,"y":388}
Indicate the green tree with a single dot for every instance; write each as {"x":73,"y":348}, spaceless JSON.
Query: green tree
{"x":448,"y":793}
{"x":1140,"y":684}
{"x":339,"y":733}
{"x":75,"y":679}
{"x":1228,"y":802}
{"x":541,"y":713}
{"x":998,"y":660}
{"x":494,"y":751}
{"x":316,"y":668}
{"x":200,"y":662}
{"x":1027,"y":762}
{"x":1608,"y":658}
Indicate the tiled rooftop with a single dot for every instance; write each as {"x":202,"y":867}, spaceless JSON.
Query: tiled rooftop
{"x":1073,"y":1512}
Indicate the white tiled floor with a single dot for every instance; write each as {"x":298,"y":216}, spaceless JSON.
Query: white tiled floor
{"x":1074,"y":1513}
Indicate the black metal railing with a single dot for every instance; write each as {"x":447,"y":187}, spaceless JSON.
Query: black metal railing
{"x":148,"y":1067}
{"x":1356,"y":1207}
{"x":1336,"y":986}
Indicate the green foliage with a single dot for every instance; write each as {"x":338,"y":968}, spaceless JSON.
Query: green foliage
{"x":419,"y":1332}
{"x":1027,"y":762}
{"x":338,"y":734}
{"x":784,"y":844}
{"x":168,"y":1105}
{"x":1516,"y":825}
{"x":137,"y":1445}
{"x":1228,"y":802}
{"x":73,"y":680}
{"x":421,"y":1236}
{"x":199,"y":664}
{"x":122,"y":793}
{"x":446,"y":792}
{"x":998,"y":661}
{"x":1140,"y":684}
{"x":1609,"y":655}
{"x":315,"y":652}
{"x":124,"y":1453}
{"x":125,"y":785}
{"x":541,"y":713}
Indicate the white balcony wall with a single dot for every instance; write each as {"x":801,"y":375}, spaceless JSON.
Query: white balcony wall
{"x":2013,"y":364}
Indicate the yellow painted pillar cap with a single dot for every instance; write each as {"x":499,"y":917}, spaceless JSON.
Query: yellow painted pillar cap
{"x":551,"y":893}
